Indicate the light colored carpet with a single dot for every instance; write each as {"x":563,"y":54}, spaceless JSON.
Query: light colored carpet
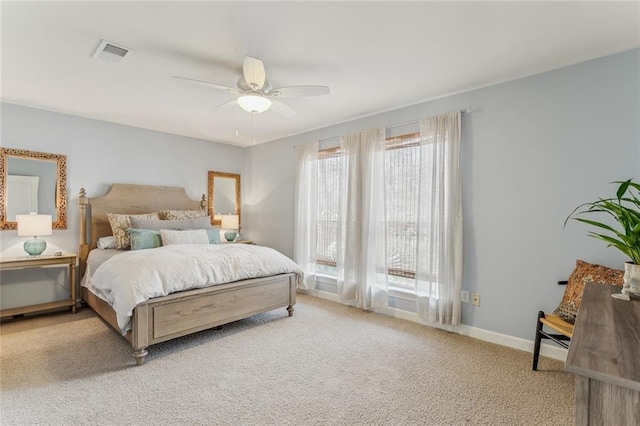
{"x":327,"y":365}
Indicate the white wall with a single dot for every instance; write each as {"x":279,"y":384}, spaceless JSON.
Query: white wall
{"x":98,"y":154}
{"x":532,"y":150}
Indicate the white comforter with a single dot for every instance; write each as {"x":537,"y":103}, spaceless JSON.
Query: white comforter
{"x":136,"y":276}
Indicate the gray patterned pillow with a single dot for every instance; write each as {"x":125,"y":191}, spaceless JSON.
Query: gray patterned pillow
{"x":156,"y":224}
{"x":121,"y":222}
{"x":181,"y":214}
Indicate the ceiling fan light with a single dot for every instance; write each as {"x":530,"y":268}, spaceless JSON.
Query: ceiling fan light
{"x":254,"y":103}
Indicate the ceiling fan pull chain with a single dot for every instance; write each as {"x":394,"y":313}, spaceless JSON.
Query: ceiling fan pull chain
{"x":254,"y":127}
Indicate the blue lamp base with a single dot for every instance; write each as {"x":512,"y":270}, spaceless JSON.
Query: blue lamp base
{"x":35,"y":246}
{"x":230,"y":235}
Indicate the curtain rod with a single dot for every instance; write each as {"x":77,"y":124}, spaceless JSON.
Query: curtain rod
{"x":466,"y":110}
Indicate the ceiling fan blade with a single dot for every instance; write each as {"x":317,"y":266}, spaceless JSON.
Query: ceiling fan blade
{"x":295,"y":91}
{"x":282,"y":109}
{"x":254,"y":74}
{"x":209,"y":85}
{"x":224,"y":103}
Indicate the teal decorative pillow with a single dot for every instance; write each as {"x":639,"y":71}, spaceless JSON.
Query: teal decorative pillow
{"x":214,"y":236}
{"x":144,"y":238}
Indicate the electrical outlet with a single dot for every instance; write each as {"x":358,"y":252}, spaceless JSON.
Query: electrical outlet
{"x":464,"y":296}
{"x":475,"y":299}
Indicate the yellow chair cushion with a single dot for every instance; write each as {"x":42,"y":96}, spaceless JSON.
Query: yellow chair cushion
{"x":558,"y":324}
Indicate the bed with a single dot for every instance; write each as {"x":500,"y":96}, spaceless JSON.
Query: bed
{"x":181,"y":313}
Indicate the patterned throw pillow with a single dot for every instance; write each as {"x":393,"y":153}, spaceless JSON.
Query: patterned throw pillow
{"x":181,"y":214}
{"x":121,"y":222}
{"x":584,"y":273}
{"x":194,"y":236}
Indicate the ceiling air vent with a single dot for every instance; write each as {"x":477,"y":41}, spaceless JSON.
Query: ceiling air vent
{"x":111,"y":52}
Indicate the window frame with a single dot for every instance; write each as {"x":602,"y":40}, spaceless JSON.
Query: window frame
{"x":325,"y":154}
{"x":402,"y":141}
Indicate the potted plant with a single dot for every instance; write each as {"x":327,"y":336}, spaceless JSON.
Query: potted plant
{"x":624,"y":208}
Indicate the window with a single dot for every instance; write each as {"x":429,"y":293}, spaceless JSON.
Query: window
{"x":402,"y":156}
{"x":402,"y":174}
{"x":385,"y":213}
{"x":328,"y":202}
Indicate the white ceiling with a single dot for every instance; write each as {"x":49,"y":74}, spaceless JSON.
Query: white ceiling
{"x":374,"y":56}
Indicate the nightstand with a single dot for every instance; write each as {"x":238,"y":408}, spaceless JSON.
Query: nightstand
{"x":239,"y":242}
{"x":67,"y":259}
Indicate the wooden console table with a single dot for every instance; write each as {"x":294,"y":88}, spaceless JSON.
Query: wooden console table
{"x":33,"y":262}
{"x":604,"y":355}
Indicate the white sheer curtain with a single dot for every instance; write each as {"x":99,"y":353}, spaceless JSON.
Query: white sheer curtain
{"x":361,"y":238}
{"x":439,"y":249}
{"x":305,"y":228}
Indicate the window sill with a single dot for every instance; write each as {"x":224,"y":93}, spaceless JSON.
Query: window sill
{"x":402,"y":293}
{"x":394,"y":291}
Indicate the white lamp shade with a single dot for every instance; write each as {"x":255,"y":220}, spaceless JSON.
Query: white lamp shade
{"x":34,"y":225}
{"x":254,"y":103}
{"x":230,"y":221}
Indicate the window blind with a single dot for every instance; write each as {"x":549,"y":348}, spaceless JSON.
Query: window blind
{"x":328,"y":199}
{"x":402,"y":174}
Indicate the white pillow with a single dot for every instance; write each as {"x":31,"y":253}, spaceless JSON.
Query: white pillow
{"x":194,"y":236}
{"x":107,"y":243}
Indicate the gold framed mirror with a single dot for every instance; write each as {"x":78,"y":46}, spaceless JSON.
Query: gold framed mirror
{"x":32,"y":181}
{"x":224,"y":195}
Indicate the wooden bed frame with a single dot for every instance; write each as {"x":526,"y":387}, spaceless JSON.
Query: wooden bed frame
{"x":185,"y":312}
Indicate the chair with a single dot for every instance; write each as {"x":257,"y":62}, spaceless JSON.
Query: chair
{"x":562,"y":319}
{"x":555,"y":323}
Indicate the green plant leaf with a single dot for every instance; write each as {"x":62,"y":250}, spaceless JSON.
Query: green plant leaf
{"x":625,"y":210}
{"x":594,"y":223}
{"x":623,"y":188}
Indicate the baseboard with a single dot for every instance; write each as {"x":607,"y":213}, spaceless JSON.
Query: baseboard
{"x":550,"y":351}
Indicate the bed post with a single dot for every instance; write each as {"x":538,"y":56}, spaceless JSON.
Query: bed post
{"x":83,"y":250}
{"x":140,"y":332}
{"x":292,"y":295}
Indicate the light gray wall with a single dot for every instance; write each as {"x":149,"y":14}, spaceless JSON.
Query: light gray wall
{"x":532,"y":150}
{"x":98,"y":154}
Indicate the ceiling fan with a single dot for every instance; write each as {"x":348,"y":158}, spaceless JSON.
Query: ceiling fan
{"x":255,"y":92}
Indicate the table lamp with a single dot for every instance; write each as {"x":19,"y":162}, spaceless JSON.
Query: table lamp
{"x":231,"y":222}
{"x":34,"y":225}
